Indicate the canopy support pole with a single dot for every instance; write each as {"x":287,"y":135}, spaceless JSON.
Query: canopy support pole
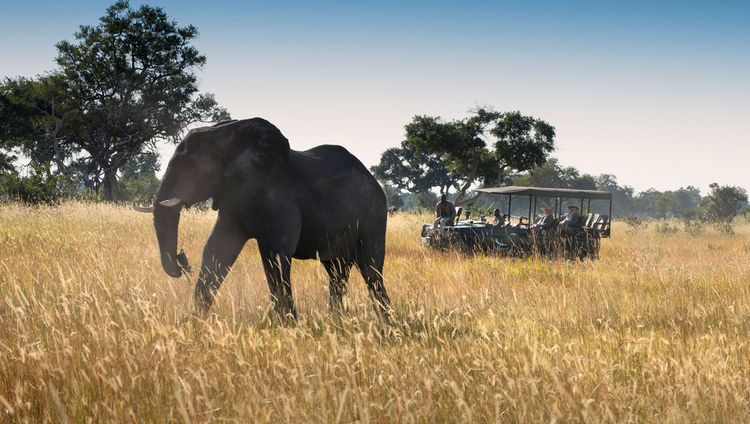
{"x":530,"y":209}
{"x":510,"y":199}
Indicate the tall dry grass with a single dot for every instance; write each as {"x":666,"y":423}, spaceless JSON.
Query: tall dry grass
{"x":657,"y":330}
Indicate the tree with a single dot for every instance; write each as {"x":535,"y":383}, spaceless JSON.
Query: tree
{"x":552,"y":174}
{"x":36,"y":186}
{"x":523,"y":142}
{"x":663,"y":204}
{"x":145,"y":164}
{"x":412,"y":171}
{"x":723,"y":202}
{"x":393,"y":196}
{"x":622,"y":196}
{"x":9,"y":112}
{"x":455,"y":154}
{"x":35,"y":117}
{"x":133,"y":81}
{"x":138,"y":178}
{"x":6,"y":162}
{"x":686,"y":202}
{"x":456,"y":145}
{"x":420,"y":201}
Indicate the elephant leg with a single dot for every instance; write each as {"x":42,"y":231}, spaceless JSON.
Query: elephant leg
{"x":370,"y":263}
{"x":222,"y":248}
{"x":278,"y":268}
{"x":338,"y":276}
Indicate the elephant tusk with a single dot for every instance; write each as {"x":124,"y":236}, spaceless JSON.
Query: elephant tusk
{"x":171,"y":202}
{"x":144,"y":209}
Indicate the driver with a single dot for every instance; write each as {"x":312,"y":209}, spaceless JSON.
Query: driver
{"x":445,"y":212}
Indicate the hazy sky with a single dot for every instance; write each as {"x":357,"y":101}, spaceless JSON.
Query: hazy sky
{"x":653,"y":92}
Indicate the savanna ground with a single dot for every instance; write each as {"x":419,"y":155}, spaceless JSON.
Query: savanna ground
{"x":657,"y":330}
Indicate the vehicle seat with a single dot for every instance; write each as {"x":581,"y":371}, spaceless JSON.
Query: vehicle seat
{"x":596,"y":222}
{"x":589,"y":220}
{"x":596,"y":218}
{"x":603,"y":225}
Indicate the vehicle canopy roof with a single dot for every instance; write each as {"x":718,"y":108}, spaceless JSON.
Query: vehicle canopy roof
{"x":548,"y":192}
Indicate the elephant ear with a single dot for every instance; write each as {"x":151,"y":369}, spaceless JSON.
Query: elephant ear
{"x":264,"y":143}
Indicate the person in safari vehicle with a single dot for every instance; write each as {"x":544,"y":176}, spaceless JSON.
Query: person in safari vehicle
{"x":445,"y":212}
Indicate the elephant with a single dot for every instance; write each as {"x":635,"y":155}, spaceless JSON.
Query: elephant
{"x":320,"y":203}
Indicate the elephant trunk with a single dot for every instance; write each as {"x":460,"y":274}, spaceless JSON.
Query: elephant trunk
{"x":166,"y":222}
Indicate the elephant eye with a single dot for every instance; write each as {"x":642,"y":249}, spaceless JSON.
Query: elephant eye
{"x":181,"y":148}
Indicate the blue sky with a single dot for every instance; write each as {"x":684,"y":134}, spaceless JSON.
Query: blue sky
{"x":653,"y":92}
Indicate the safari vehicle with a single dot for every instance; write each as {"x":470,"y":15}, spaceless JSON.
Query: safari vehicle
{"x":515,"y":235}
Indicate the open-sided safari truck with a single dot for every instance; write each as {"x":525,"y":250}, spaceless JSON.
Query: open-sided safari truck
{"x":516,"y":234}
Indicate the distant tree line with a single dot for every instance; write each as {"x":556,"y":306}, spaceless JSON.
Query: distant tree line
{"x":91,"y":126}
{"x":495,"y":149}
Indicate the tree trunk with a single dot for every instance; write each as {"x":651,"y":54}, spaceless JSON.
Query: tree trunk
{"x":461,"y":197}
{"x":111,"y":185}
{"x":56,"y":146}
{"x":465,"y":200}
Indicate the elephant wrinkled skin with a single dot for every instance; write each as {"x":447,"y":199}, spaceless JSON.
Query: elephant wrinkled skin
{"x":320,"y":204}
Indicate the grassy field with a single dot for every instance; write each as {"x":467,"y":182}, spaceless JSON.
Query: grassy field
{"x":657,"y":330}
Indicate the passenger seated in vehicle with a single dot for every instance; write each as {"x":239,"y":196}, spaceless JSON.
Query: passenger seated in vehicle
{"x":570,"y":228}
{"x":545,"y":223}
{"x":572,"y":222}
{"x":497,"y":219}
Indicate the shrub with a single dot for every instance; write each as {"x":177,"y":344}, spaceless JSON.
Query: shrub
{"x":636,"y":223}
{"x":140,"y":189}
{"x":36,"y":188}
{"x":724,"y":227}
{"x":665,"y":228}
{"x":693,"y":227}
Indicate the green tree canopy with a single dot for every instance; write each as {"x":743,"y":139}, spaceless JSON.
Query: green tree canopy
{"x":121,"y":87}
{"x":723,"y":202}
{"x":35,"y":113}
{"x":686,"y":202}
{"x":138,"y":181}
{"x":552,"y":174}
{"x":483,"y":149}
{"x":409,"y":170}
{"x":134,"y":76}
